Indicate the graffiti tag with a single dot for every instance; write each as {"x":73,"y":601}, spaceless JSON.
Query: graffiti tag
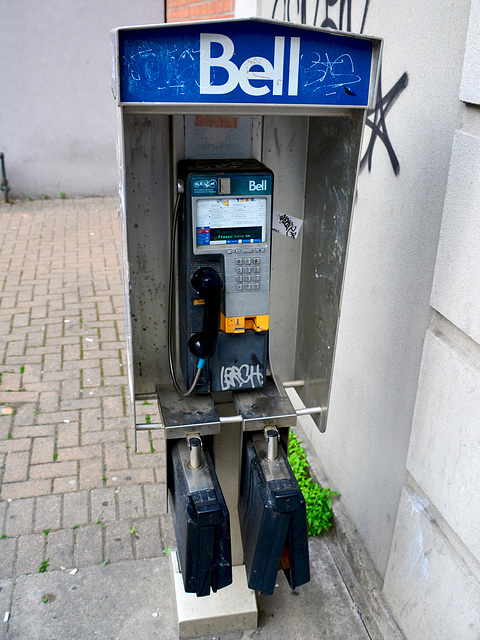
{"x":235,"y":377}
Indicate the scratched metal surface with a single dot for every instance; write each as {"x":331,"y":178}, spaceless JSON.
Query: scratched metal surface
{"x":334,"y":145}
{"x":162,"y":64}
{"x":148,"y":210}
{"x":284,"y":151}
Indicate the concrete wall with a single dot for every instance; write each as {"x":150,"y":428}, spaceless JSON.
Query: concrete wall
{"x":433,"y":574}
{"x":57,"y":114}
{"x":392,"y":251}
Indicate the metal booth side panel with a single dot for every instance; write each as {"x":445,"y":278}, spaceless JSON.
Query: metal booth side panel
{"x":147,"y":212}
{"x":285,"y":151}
{"x":332,"y":163}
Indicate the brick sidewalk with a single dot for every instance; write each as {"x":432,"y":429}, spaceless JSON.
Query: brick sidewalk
{"x":73,"y":491}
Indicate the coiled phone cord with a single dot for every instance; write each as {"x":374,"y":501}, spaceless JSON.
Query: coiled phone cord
{"x":171,"y":306}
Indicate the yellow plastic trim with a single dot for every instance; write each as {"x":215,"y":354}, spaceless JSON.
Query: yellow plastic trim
{"x":241,"y":324}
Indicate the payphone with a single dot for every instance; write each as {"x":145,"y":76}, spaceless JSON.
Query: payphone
{"x":213,"y":296}
{"x":224,"y":235}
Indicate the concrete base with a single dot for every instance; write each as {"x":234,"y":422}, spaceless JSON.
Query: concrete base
{"x":233,"y":608}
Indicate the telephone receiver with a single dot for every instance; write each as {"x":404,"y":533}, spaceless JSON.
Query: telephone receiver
{"x":209,"y":285}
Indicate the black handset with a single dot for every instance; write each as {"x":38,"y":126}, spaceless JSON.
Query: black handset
{"x":224,"y":274}
{"x":209,"y":285}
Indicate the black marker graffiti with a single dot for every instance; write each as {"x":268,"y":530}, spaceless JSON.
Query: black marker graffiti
{"x":378,"y":124}
{"x":290,"y":227}
{"x":376,"y":118}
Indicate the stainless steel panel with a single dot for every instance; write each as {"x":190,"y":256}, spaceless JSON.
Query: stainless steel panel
{"x":147,"y":211}
{"x":285,"y":151}
{"x":262,"y":407}
{"x":332,"y":161}
{"x":182,"y":416}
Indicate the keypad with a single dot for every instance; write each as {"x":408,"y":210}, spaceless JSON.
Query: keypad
{"x":248,"y":269}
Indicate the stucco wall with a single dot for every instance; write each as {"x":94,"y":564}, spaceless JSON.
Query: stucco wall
{"x":57,"y":114}
{"x":433,"y":574}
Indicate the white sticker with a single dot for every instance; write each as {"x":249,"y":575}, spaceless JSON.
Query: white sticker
{"x":286,"y":224}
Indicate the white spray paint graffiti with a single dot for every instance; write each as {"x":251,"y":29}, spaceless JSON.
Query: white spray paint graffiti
{"x":234,"y":377}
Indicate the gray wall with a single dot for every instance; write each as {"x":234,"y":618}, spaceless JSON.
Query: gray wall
{"x":57,"y":114}
{"x":433,"y":574}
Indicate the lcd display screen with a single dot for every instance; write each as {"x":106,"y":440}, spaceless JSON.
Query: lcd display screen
{"x":230,"y":221}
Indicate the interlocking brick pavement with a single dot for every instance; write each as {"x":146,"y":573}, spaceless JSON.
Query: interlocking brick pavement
{"x":73,"y":492}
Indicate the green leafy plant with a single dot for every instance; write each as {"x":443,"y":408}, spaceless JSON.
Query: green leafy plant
{"x":318,"y":500}
{"x":43,"y":566}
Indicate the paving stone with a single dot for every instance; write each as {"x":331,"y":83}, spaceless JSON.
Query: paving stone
{"x":79,"y":453}
{"x":33,"y":431}
{"x":16,"y":466}
{"x":75,"y":509}
{"x":91,"y":419}
{"x":65,"y":485}
{"x":147,"y":539}
{"x":60,"y":549}
{"x":119,"y":544}
{"x":155,"y":499}
{"x":7,"y":557}
{"x":89,"y":545}
{"x":116,"y":456}
{"x":130,"y":476}
{"x":3,"y":509}
{"x":68,"y":435}
{"x":91,"y":473}
{"x":30,"y":554}
{"x":113,"y":406}
{"x":17,"y":490}
{"x":48,"y":513}
{"x":43,"y":450}
{"x":130,"y":502}
{"x":53,"y":469}
{"x":143,"y":443}
{"x":147,"y":460}
{"x":15,"y":444}
{"x":5,"y":427}
{"x":19,"y":517}
{"x":167,"y":531}
{"x":103,"y":505}
{"x":91,"y":437}
{"x":70,"y":389}
{"x":49,"y":401}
